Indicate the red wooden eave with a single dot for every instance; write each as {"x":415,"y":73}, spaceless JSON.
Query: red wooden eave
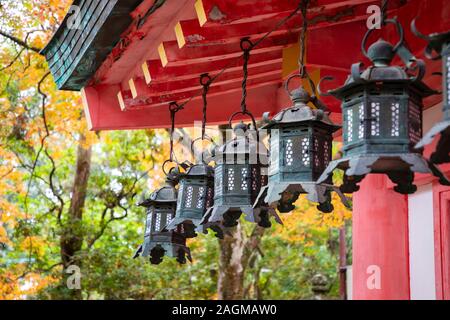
{"x":160,"y":60}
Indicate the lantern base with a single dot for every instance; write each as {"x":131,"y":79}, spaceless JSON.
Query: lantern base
{"x":218,"y":228}
{"x":229,"y":216}
{"x":188,"y":226}
{"x":284,"y":195}
{"x":400,"y":169}
{"x":441,"y":154}
{"x":157,"y":250}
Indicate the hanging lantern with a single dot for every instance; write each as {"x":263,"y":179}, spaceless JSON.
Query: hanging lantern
{"x":196,"y":191}
{"x":301,"y":144}
{"x":440,"y":43}
{"x":239,"y":168}
{"x":382,"y":119}
{"x":239,"y":175}
{"x":158,"y":241}
{"x":195,"y":196}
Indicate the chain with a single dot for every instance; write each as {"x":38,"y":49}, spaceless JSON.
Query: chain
{"x":205,"y":81}
{"x":303,"y":73}
{"x":246,"y":56}
{"x":246,"y":46}
{"x":173,"y":108}
{"x":302,"y":41}
{"x":384,"y":7}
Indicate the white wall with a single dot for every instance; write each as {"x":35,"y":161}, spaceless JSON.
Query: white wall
{"x":349,"y":277}
{"x":421,"y":244}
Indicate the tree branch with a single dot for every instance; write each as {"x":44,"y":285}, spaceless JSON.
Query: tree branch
{"x":20,"y":42}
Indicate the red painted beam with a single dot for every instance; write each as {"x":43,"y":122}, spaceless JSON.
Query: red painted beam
{"x":321,"y":13}
{"x":174,"y":56}
{"x":152,"y":98}
{"x":157,"y":73}
{"x":192,"y":83}
{"x":190,"y":32}
{"x":225,"y":11}
{"x":103,"y":111}
{"x":220,"y":12}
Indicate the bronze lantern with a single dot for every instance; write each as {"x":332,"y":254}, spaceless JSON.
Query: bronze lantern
{"x":161,"y":206}
{"x":301,"y":144}
{"x":195,"y":196}
{"x":240,"y":172}
{"x":382,"y":118}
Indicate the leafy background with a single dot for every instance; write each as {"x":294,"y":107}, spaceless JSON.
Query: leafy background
{"x":43,"y":139}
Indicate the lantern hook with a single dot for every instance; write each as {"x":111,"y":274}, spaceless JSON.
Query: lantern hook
{"x":319,"y":90}
{"x":435,"y":41}
{"x":205,"y":158}
{"x":418,"y":65}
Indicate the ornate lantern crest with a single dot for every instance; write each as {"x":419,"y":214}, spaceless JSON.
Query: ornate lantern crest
{"x":382,"y":118}
{"x":161,"y":206}
{"x":301,"y":144}
{"x":440,"y":43}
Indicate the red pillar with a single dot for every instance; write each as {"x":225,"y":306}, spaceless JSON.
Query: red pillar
{"x":380,"y":241}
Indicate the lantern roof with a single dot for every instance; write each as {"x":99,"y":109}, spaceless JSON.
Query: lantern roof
{"x":200,"y":169}
{"x":382,"y":74}
{"x":381,"y":53}
{"x":299,"y":113}
{"x":244,"y":142}
{"x":166,"y":194}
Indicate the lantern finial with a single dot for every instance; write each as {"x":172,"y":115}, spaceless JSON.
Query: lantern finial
{"x":300,"y":95}
{"x":381,"y":53}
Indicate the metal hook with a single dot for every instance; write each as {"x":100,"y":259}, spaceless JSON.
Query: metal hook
{"x":322,"y":93}
{"x":248,"y":113}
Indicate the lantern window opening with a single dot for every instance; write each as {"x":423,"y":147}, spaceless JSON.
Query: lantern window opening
{"x":189,"y":195}
{"x":361,"y":124}
{"x":201,"y":197}
{"x":148,"y":228}
{"x":375,"y":124}
{"x":158,"y":222}
{"x":289,"y":152}
{"x":230,"y":177}
{"x":395,"y":119}
{"x":349,"y":122}
{"x":245,"y":178}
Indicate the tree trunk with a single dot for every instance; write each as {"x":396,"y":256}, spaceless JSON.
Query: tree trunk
{"x":72,"y":236}
{"x":231,"y":271}
{"x":236,"y":251}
